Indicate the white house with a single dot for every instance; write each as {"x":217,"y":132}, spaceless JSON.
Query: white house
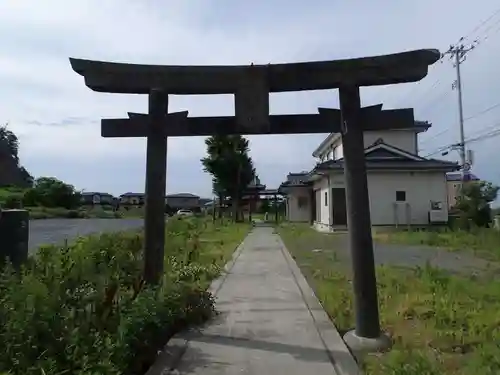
{"x":299,"y":195}
{"x":404,"y":188}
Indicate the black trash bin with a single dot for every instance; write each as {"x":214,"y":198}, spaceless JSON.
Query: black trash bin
{"x":14,"y":236}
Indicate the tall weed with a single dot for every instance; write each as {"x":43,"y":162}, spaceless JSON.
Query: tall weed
{"x":84,"y":308}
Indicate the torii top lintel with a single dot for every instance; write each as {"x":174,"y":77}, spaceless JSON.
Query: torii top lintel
{"x":110,"y":77}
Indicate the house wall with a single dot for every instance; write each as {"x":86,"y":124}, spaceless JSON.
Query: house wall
{"x":321,"y":188}
{"x":324,"y":221}
{"x":420,"y":189}
{"x":403,"y":139}
{"x":132,"y":200}
{"x":296,"y":213}
{"x":453,"y":189}
{"x":183,"y":202}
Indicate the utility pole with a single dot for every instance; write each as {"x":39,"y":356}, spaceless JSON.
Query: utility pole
{"x":458,"y":54}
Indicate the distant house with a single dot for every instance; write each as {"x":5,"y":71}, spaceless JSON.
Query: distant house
{"x":135,"y":199}
{"x":453,"y":181}
{"x":185,"y":201}
{"x":204,"y":201}
{"x":174,"y":202}
{"x":91,"y":197}
{"x":299,"y":194}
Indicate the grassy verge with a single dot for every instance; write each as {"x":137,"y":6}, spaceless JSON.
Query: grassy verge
{"x":131,"y":212}
{"x":440,"y":323}
{"x":84,"y":309}
{"x":7,"y":193}
{"x":483,"y":242}
{"x":37,"y":213}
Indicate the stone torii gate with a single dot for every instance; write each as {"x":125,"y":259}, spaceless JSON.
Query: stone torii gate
{"x":251,"y":86}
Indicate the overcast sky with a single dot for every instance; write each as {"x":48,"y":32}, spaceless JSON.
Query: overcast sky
{"x":56,"y":117}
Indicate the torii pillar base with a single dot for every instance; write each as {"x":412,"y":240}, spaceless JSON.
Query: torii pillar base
{"x":362,"y":346}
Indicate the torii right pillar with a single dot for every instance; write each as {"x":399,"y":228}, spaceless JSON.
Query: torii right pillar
{"x":367,"y":335}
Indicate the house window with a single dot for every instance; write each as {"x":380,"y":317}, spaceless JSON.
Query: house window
{"x":326,"y":198}
{"x":302,"y":202}
{"x":400,"y":196}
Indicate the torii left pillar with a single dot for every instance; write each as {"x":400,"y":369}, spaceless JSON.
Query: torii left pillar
{"x":156,"y":179}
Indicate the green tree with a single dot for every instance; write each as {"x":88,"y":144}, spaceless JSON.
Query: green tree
{"x":9,"y":144}
{"x":474,"y":203}
{"x":229,"y":163}
{"x":219,"y":192}
{"x":265,"y":206}
{"x":51,"y":192}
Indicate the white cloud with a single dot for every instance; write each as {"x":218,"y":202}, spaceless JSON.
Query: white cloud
{"x":38,"y":84}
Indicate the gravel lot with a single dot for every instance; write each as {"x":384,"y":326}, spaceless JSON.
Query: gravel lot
{"x":56,"y":231}
{"x":413,"y":256}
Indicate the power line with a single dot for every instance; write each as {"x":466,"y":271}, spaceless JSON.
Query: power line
{"x":491,"y":130}
{"x":487,"y":36}
{"x":481,"y":24}
{"x":459,"y":52}
{"x":485,"y":136}
{"x":436,"y":101}
{"x":484,"y":36}
{"x":436,"y":135}
{"x":482,"y":112}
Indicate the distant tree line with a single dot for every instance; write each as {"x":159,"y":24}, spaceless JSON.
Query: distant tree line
{"x":27,"y":191}
{"x":45,"y":192}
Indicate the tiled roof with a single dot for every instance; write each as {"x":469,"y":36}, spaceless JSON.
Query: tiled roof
{"x":457,"y":176}
{"x":182,"y":195}
{"x":384,"y":156}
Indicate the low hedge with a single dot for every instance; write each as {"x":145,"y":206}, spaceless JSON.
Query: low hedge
{"x":37,"y":213}
{"x":83,"y":309}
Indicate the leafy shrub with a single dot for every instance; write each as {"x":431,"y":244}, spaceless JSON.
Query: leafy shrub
{"x":11,"y":197}
{"x":473,"y":205}
{"x":13,"y":202}
{"x":51,"y":192}
{"x":84,"y":309}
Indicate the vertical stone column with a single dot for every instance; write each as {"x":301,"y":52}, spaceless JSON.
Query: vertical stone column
{"x":359,"y":224}
{"x":156,"y":176}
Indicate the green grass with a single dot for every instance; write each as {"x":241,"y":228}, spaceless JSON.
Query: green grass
{"x":6,"y":193}
{"x":440,"y":323}
{"x":84,"y":309}
{"x":132,"y":212}
{"x":483,"y":242}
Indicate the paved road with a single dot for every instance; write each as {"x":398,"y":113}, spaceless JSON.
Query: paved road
{"x":270,"y":321}
{"x":56,"y":231}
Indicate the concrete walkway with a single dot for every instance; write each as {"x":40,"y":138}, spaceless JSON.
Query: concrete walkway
{"x":270,"y":321}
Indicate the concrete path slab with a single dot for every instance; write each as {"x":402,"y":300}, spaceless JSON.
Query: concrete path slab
{"x":270,"y":322}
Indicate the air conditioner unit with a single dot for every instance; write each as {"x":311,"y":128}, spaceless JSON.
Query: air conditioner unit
{"x":437,"y":213}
